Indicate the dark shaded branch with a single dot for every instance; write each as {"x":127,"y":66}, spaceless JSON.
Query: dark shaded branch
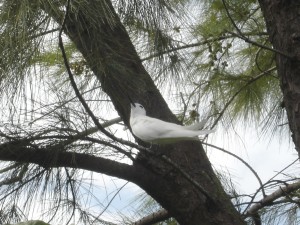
{"x":156,"y":217}
{"x":44,"y":33}
{"x":256,"y":219}
{"x":20,"y":152}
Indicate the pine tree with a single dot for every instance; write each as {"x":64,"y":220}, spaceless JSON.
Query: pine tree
{"x":65,"y":64}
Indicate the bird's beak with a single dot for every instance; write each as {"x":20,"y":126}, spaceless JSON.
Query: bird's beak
{"x":131,"y":102}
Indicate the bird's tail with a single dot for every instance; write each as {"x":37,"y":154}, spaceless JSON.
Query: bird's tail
{"x":197,"y":126}
{"x":204,"y":132}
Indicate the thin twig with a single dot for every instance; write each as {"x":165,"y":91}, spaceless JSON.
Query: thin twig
{"x":224,"y":37}
{"x":105,"y":208}
{"x":184,"y":107}
{"x":13,"y":166}
{"x":243,"y":161}
{"x":23,"y":184}
{"x":44,"y":33}
{"x":261,"y":45}
{"x":243,"y":37}
{"x":239,"y":91}
{"x":268,"y":182}
{"x":231,"y":19}
{"x":70,"y":181}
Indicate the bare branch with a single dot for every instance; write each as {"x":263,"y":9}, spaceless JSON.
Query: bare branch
{"x":268,"y":200}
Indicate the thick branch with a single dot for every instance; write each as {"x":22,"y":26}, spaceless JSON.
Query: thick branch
{"x":20,"y":152}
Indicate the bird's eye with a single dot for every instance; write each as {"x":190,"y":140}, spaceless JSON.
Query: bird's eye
{"x":141,"y":107}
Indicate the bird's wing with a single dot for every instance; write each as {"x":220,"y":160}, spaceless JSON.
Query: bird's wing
{"x":148,"y":128}
{"x":152,"y":130}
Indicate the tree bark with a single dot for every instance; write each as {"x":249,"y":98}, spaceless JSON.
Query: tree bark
{"x":111,"y":55}
{"x":282,"y":20}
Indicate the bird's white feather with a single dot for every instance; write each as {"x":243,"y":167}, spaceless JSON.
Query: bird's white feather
{"x":158,"y":131}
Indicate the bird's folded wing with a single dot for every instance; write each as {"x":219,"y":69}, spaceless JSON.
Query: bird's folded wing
{"x":149,"y":129}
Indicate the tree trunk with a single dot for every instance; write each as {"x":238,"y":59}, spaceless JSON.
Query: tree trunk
{"x":110,"y":53}
{"x":282,"y":20}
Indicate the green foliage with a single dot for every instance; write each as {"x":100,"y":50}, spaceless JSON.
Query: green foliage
{"x":239,"y":78}
{"x":20,"y":22}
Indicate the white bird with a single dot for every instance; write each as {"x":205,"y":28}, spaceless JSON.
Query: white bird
{"x":157,"y":131}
